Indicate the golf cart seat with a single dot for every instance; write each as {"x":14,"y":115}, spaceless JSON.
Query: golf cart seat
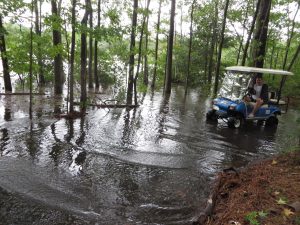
{"x":273,"y":101}
{"x":265,"y":106}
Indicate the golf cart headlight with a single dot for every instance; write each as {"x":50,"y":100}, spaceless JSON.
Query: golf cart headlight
{"x":232,"y":107}
{"x":215,"y":107}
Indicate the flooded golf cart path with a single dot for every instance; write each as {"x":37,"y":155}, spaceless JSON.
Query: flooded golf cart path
{"x":152,"y":165}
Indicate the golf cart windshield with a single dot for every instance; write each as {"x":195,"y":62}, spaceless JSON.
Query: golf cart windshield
{"x":234,"y":85}
{"x":238,"y":79}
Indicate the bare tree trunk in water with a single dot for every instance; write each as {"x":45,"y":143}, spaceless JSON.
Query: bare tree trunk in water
{"x":131,"y":57}
{"x":168,"y":83}
{"x":6,"y":75}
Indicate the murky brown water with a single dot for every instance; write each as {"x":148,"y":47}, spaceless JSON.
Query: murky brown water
{"x":152,"y":165}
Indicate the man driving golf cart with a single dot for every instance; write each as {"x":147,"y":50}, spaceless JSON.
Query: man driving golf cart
{"x":231,"y":105}
{"x":258,"y":95}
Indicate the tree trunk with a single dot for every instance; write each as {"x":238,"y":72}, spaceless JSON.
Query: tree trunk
{"x":140,"y":47}
{"x":212,"y":44}
{"x":190,"y":48}
{"x":30,"y":64}
{"x":146,"y":72}
{"x":139,"y":55}
{"x":290,"y":39}
{"x":206,"y":60}
{"x":83,"y":55}
{"x":220,"y":48}
{"x":260,"y":36}
{"x":131,"y":57}
{"x":168,"y":83}
{"x":58,"y":73}
{"x":156,"y":45}
{"x":243,"y":36}
{"x":72,"y":57}
{"x":91,"y":48}
{"x":96,"y":49}
{"x":250,"y":34}
{"x":6,"y":75}
{"x":39,"y":50}
{"x":294,"y":58}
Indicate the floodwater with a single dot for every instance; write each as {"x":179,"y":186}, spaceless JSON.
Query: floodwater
{"x":151,"y":165}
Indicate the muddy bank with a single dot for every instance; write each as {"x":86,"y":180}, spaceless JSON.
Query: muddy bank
{"x":264,"y":193}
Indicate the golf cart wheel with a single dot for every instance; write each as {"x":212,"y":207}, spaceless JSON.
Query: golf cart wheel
{"x":235,"y":122}
{"x":260,"y":122}
{"x":272,"y":121}
{"x":211,"y":116}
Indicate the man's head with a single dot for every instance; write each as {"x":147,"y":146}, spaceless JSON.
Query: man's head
{"x":259,"y":81}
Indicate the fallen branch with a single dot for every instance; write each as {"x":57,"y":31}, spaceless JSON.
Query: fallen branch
{"x":113,"y":106}
{"x":71,"y":115}
{"x":110,"y":105}
{"x":22,"y":93}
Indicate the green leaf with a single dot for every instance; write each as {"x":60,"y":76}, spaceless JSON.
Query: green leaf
{"x":262,"y":214}
{"x":281,"y":201}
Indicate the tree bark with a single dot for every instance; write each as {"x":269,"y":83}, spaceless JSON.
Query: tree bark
{"x":168,"y":83}
{"x":260,"y":36}
{"x":6,"y":75}
{"x":190,"y":48}
{"x":91,"y":48}
{"x":83,"y":55}
{"x":156,"y":45}
{"x":220,"y":48}
{"x":290,"y":39}
{"x":212,"y":44}
{"x":250,"y":34}
{"x":39,"y":50}
{"x":72,"y":57}
{"x":58,"y":73}
{"x":31,"y":63}
{"x":96,"y":77}
{"x":243,"y":36}
{"x":294,"y":58}
{"x":140,"y":54}
{"x":146,"y":71}
{"x":131,"y":57}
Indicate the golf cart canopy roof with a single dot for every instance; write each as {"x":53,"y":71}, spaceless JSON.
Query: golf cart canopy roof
{"x":245,"y":69}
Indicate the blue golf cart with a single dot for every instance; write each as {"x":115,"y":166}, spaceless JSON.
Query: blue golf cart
{"x":230,"y":106}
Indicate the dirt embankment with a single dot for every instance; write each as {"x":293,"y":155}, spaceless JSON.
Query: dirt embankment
{"x":265,"y":193}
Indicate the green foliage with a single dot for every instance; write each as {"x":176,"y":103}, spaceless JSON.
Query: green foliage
{"x":254,"y":217}
{"x":113,"y":38}
{"x":18,"y":45}
{"x":297,"y":220}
